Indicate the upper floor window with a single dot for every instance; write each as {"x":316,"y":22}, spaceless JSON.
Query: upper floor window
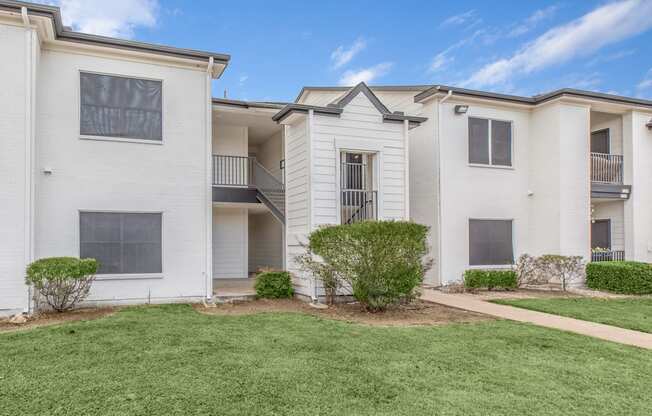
{"x":490,"y":142}
{"x":120,"y":107}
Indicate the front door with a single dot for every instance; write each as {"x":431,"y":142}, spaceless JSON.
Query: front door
{"x":601,"y":234}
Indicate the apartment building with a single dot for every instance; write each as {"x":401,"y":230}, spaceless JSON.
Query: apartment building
{"x":496,"y":176}
{"x":117,"y":150}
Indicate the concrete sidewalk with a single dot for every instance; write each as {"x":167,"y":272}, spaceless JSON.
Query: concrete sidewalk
{"x":592,"y":329}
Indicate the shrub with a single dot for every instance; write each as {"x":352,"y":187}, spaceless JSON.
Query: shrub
{"x":274,"y":285}
{"x":549,"y":267}
{"x":627,"y":277}
{"x":330,"y":279}
{"x":382,"y":261}
{"x":62,"y":281}
{"x":490,"y":279}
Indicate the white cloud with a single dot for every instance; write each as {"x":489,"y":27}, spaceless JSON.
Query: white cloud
{"x":366,"y":74}
{"x":646,"y":82}
{"x":603,"y":26}
{"x":115,"y":18}
{"x":440,"y":61}
{"x":469,"y":17}
{"x":342,"y":56}
{"x":533,"y":20}
{"x":611,"y":57}
{"x":443,"y":58}
{"x":243,"y":78}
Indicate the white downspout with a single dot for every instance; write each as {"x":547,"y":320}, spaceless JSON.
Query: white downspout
{"x":30,"y":127}
{"x":439,"y":196}
{"x":208,"y":188}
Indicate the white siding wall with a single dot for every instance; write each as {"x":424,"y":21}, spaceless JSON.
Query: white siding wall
{"x":424,"y":187}
{"x":615,"y":212}
{"x":230,"y":243}
{"x":230,"y":140}
{"x":19,"y":49}
{"x":270,"y":153}
{"x":265,"y":242}
{"x":297,"y":197}
{"x":114,"y":176}
{"x":360,"y":127}
{"x":479,"y":192}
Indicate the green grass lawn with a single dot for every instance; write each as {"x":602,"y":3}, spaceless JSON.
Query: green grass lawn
{"x":625,"y":313}
{"x":171,"y":360}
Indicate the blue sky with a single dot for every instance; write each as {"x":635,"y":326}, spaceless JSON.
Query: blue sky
{"x":514,"y":47}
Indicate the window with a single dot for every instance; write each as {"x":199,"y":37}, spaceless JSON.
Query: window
{"x":490,"y":242}
{"x":120,"y":107}
{"x":490,"y":142}
{"x":123,"y":243}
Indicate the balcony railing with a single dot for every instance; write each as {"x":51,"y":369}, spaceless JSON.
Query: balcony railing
{"x":358,"y":205}
{"x":606,"y":168}
{"x":233,"y":170}
{"x":608,"y":255}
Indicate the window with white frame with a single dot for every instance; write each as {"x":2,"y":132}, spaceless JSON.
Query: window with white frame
{"x":122,"y":243}
{"x":490,"y":142}
{"x":490,"y":242}
{"x":120,"y":107}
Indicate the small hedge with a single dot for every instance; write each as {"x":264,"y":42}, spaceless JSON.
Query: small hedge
{"x":626,"y":277}
{"x":274,"y":285}
{"x":490,"y":279}
{"x":62,"y":281}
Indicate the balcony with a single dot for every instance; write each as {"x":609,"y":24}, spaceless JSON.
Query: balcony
{"x":243,"y":179}
{"x":607,"y":176}
{"x":358,"y":205}
{"x":606,"y":168}
{"x":607,"y":255}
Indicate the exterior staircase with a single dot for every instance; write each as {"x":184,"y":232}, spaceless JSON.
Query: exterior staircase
{"x":270,"y":190}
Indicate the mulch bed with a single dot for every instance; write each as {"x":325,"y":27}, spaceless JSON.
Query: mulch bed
{"x":418,"y":313}
{"x":53,"y":318}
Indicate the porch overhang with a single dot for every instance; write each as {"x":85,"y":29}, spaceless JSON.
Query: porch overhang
{"x":235,"y":195}
{"x":610,"y":191}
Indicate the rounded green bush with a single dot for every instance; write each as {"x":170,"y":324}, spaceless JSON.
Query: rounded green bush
{"x":62,"y":281}
{"x":59,"y":269}
{"x":274,"y":285}
{"x":382,"y":261}
{"x":626,"y":277}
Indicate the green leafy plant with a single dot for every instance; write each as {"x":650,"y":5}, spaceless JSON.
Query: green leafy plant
{"x":381,"y":261}
{"x":490,"y":279}
{"x":62,"y":281}
{"x":627,"y":277}
{"x":274,"y":285}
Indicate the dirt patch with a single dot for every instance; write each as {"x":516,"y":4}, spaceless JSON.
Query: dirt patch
{"x":53,"y":318}
{"x":419,"y":313}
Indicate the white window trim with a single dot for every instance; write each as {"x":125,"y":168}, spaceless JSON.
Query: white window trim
{"x":490,"y":165}
{"x":355,"y":146}
{"x":124,"y":276}
{"x":119,"y":139}
{"x":490,"y":266}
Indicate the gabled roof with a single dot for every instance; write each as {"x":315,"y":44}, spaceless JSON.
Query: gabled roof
{"x":63,"y":33}
{"x":337,"y":107}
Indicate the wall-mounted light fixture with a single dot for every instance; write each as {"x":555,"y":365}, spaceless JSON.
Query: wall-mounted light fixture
{"x":649,"y":124}
{"x":461,"y":109}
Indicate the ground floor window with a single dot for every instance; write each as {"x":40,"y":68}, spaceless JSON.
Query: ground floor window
{"x":122,"y":243}
{"x":490,"y":242}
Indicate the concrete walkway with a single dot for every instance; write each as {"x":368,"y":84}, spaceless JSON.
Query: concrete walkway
{"x":592,"y":329}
